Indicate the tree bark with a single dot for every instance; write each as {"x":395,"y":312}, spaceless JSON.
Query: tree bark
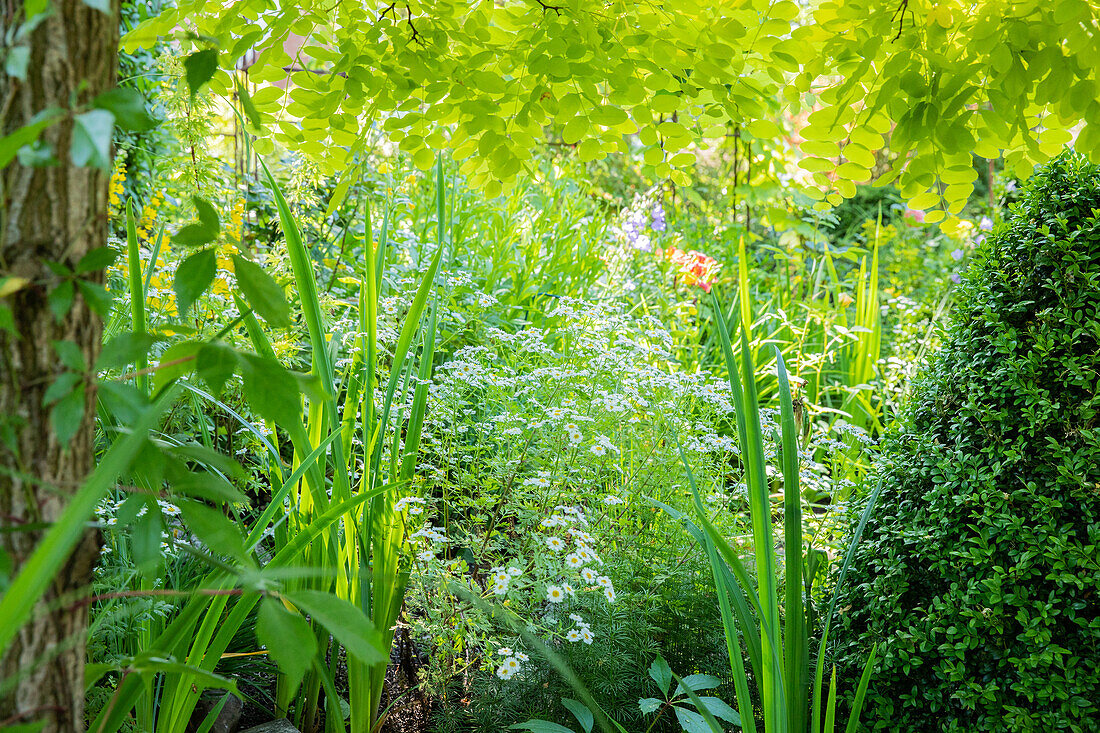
{"x":55,"y":213}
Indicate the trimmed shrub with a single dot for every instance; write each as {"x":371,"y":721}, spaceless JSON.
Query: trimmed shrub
{"x":980,"y":572}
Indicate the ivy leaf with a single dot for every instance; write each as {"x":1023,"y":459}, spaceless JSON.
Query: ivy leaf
{"x":193,"y":277}
{"x":67,"y":415}
{"x":215,"y":364}
{"x":263,"y":293}
{"x":199,"y":68}
{"x":289,"y":639}
{"x":91,"y":143}
{"x":346,"y":622}
{"x":128,"y":108}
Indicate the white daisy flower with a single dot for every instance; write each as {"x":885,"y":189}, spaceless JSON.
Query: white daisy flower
{"x":505,"y":673}
{"x":573,"y":635}
{"x":505,"y":651}
{"x":609,"y":594}
{"x":603,"y":581}
{"x":589,"y":575}
{"x":575,"y":437}
{"x":598,"y":450}
{"x":586,"y":636}
{"x":574,"y":560}
{"x":555,"y":594}
{"x":515,"y":572}
{"x":555,"y":543}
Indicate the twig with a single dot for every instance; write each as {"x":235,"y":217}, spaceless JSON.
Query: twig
{"x":900,"y":15}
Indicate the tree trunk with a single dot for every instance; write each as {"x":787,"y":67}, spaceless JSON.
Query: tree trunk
{"x":54,"y":213}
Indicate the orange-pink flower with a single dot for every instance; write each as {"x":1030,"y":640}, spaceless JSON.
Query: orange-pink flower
{"x":695,"y":267}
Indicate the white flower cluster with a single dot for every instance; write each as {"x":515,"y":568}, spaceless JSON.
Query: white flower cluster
{"x":581,"y":631}
{"x":502,"y":577}
{"x":511,"y":664}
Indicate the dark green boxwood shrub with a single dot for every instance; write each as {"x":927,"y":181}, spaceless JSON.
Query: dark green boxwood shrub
{"x":980,"y":572}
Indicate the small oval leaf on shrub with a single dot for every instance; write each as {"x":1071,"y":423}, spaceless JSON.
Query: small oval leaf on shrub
{"x":262,"y":292}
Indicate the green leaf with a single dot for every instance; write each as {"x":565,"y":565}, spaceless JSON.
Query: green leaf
{"x":103,"y":6}
{"x":145,"y":539}
{"x":202,"y":231}
{"x":91,"y":141}
{"x":60,"y":387}
{"x":580,"y":712}
{"x":540,"y":726}
{"x":649,"y":705}
{"x":177,"y":361}
{"x":70,"y":355}
{"x":263,"y":293}
{"x":128,"y":108}
{"x":199,"y":68}
{"x":719,"y":709}
{"x":661,"y":674}
{"x":692,"y":722}
{"x":696,"y":682}
{"x":125,"y":348}
{"x":97,"y":297}
{"x":96,"y":259}
{"x":11,"y":144}
{"x":193,"y":277}
{"x":271,"y":390}
{"x":250,"y":110}
{"x":289,"y":639}
{"x":61,"y":299}
{"x":67,"y":415}
{"x":216,"y":531}
{"x":215,"y":364}
{"x":15,"y":64}
{"x":344,"y":621}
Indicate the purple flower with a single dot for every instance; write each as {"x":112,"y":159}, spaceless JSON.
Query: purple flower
{"x":955,"y":278}
{"x":657,"y":216}
{"x":979,"y":239}
{"x":986,"y":224}
{"x":1010,"y":186}
{"x":957,"y":255}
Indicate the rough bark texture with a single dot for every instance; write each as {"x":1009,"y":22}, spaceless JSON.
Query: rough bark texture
{"x":54,"y":213}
